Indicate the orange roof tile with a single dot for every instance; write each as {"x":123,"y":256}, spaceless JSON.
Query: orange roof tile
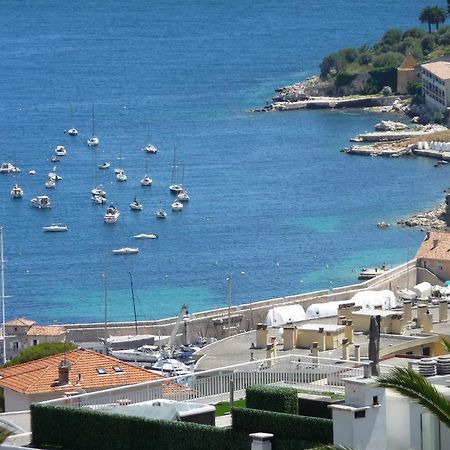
{"x":20,"y":322}
{"x":41,"y":375}
{"x":51,"y":330}
{"x":435,"y":246}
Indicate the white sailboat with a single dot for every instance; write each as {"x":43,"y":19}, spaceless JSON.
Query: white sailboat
{"x":150,"y":148}
{"x":177,"y":206}
{"x":72,"y":131}
{"x":93,"y":141}
{"x":146,"y":181}
{"x":135,"y":205}
{"x":97,"y":192}
{"x":183,"y":195}
{"x":160,"y":213}
{"x":121,"y":176}
{"x":174,"y":187}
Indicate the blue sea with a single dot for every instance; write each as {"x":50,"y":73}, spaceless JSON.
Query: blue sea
{"x":273,"y":201}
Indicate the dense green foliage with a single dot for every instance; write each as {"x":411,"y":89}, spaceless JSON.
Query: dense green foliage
{"x":433,"y":15}
{"x":40,"y":351}
{"x":283,"y":426}
{"x":272,"y":398}
{"x":85,"y":430}
{"x":388,"y":53}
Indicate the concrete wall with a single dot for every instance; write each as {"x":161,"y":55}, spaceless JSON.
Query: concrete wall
{"x":406,"y":76}
{"x":440,"y":268}
{"x":245,"y":317}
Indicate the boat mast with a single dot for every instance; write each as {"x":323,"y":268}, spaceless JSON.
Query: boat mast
{"x":134,"y":303}
{"x":93,"y":120}
{"x":105,"y":280}
{"x":3,"y":294}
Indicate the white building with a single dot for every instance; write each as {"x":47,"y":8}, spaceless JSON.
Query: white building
{"x":436,"y":85}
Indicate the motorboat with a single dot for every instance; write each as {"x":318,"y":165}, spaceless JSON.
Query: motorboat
{"x":146,"y":181}
{"x":117,"y":170}
{"x":177,"y":206}
{"x":98,"y":190}
{"x":145,"y":353}
{"x":111,"y":214}
{"x":367,"y":274}
{"x":41,"y":202}
{"x":8,"y":167}
{"x":50,"y":184}
{"x":126,"y":251}
{"x":104,"y":165}
{"x":32,"y":172}
{"x":16,"y":191}
{"x":121,"y":176}
{"x":60,"y":150}
{"x":54,"y":176}
{"x":135,"y":205}
{"x":72,"y":132}
{"x":146,"y":236}
{"x":183,"y":196}
{"x":55,"y":228}
{"x":99,"y":199}
{"x":161,"y":214}
{"x":54,"y":159}
{"x":175,"y":188}
{"x":170,"y":367}
{"x":149,"y":148}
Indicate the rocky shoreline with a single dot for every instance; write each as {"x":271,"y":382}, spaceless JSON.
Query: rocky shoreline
{"x":433,"y":219}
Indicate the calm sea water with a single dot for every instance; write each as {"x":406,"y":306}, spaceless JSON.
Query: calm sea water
{"x":273,"y":202}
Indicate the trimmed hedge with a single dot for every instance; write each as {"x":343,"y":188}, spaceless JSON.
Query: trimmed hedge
{"x":272,"y":398}
{"x":82,"y":429}
{"x":283,"y":426}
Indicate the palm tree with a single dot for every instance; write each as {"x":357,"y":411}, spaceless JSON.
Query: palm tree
{"x":433,"y":15}
{"x":440,"y":14}
{"x":414,"y":386}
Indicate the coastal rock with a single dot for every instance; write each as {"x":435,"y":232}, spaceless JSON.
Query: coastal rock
{"x":432,"y":219}
{"x":389,"y":125}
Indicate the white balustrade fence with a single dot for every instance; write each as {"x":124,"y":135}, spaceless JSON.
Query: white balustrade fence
{"x":212,"y":386}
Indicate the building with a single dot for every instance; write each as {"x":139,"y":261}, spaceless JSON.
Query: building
{"x":407,"y":73}
{"x":434,"y":254}
{"x":65,"y":375}
{"x":436,"y":85}
{"x":22,"y":333}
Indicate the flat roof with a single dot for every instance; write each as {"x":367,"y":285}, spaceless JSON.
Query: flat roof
{"x":439,"y":68}
{"x":326,"y":327}
{"x":375,"y":312}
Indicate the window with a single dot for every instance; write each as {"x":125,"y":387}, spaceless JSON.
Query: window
{"x":117,"y":369}
{"x":101,"y":371}
{"x":426,"y":351}
{"x":35,"y":342}
{"x":15,"y":345}
{"x":360,"y":414}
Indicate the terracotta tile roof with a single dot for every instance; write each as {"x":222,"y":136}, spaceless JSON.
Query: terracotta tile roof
{"x":439,"y":68}
{"x":408,"y":63}
{"x":435,"y":246}
{"x":20,"y":322}
{"x":41,"y":375}
{"x":51,"y":330}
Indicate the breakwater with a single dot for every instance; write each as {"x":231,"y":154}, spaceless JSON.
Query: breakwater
{"x":214,"y":323}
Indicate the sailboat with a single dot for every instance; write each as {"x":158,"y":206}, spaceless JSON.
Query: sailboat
{"x":146,"y":181}
{"x":160,"y":213}
{"x":174,"y":187}
{"x":97,"y":192}
{"x":72,"y":131}
{"x":150,"y":148}
{"x":94,"y":140}
{"x":135,"y":205}
{"x":183,"y":196}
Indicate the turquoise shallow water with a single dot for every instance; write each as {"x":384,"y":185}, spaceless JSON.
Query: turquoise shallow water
{"x":272,"y":200}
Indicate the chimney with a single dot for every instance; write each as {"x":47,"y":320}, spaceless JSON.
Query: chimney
{"x":357,"y":353}
{"x":345,"y":349}
{"x":289,"y":337}
{"x":322,"y":342}
{"x":63,"y":372}
{"x":407,"y":310}
{"x":349,"y":331}
{"x":261,"y":335}
{"x":443,"y":310}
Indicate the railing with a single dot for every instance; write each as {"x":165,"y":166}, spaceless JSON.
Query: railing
{"x":212,"y":386}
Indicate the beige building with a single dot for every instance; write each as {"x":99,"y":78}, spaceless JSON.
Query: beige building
{"x":434,"y":254}
{"x":436,"y":85}
{"x":407,"y":73}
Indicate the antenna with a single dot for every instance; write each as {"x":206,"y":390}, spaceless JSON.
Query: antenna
{"x":134,"y":304}
{"x":2,"y":262}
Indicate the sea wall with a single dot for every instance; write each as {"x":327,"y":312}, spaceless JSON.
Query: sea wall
{"x":245,"y":317}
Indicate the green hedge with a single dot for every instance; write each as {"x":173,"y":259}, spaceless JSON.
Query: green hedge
{"x":86,"y":430}
{"x":283,"y":426}
{"x":272,"y":398}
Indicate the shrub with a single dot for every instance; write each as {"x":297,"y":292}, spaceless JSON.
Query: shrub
{"x":84,"y":430}
{"x":283,"y":426}
{"x":437,"y":117}
{"x":389,"y":59}
{"x":414,"y":88}
{"x":344,"y":79}
{"x":272,"y":398}
{"x":386,"y":91}
{"x":427,"y":44}
{"x":392,"y":37}
{"x":415,"y":33}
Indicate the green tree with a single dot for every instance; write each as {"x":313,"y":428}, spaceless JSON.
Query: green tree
{"x":40,"y":351}
{"x":411,"y":384}
{"x":433,"y":15}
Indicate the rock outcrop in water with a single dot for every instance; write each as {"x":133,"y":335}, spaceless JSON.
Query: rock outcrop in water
{"x":432,"y":219}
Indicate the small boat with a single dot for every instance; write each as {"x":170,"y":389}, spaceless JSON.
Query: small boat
{"x":50,"y":184}
{"x":32,"y":172}
{"x":146,"y":236}
{"x":183,"y":196}
{"x":177,"y":206}
{"x":367,"y":274}
{"x":72,"y":132}
{"x":121,"y":176}
{"x":111,"y":214}
{"x":41,"y":202}
{"x":54,"y":176}
{"x":55,"y":228}
{"x":170,"y":367}
{"x":99,"y":199}
{"x":16,"y":191}
{"x":149,"y":148}
{"x":60,"y":150}
{"x":54,"y":159}
{"x":94,"y":140}
{"x":442,"y":161}
{"x":104,"y":165}
{"x":135,"y":205}
{"x":126,"y":251}
{"x":145,"y":353}
{"x":146,"y":181}
{"x":98,"y":190}
{"x":8,"y":167}
{"x":175,"y":188}
{"x":160,"y":213}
